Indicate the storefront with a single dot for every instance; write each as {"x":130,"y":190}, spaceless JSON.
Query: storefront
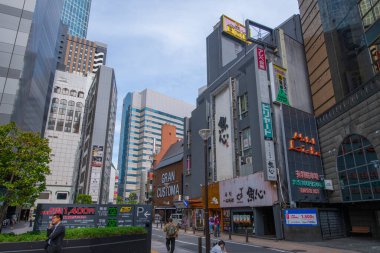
{"x":242,"y":220}
{"x":247,"y":204}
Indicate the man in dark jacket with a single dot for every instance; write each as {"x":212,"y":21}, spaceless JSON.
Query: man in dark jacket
{"x":55,"y":233}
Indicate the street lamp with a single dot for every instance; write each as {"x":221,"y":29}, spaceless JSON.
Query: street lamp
{"x":205,"y":134}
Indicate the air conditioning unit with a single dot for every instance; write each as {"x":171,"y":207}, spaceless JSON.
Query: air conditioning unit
{"x":248,"y":160}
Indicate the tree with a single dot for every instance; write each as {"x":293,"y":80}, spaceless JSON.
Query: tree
{"x":120,"y":200}
{"x":24,"y":165}
{"x":83,"y":199}
{"x":132,"y":199}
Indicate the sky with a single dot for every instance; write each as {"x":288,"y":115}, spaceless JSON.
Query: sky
{"x":161,"y":44}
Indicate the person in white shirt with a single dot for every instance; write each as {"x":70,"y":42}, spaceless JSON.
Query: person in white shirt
{"x":220,"y":247}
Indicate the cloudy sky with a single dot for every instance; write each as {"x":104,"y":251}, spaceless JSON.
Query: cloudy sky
{"x":161,"y":44}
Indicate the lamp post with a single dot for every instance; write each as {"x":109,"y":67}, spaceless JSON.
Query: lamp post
{"x":205,"y":134}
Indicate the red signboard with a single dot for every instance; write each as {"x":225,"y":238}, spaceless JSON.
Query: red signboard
{"x":261,"y":61}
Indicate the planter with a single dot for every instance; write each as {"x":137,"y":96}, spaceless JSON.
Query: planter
{"x":134,"y":244}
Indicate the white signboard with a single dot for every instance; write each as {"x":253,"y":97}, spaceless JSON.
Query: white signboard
{"x":223,"y":135}
{"x":251,"y":190}
{"x":270,"y":161}
{"x":95,"y":183}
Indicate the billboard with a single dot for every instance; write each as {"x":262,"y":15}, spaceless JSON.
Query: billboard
{"x":279,"y":85}
{"x":233,"y":28}
{"x":223,"y":131}
{"x":80,"y":216}
{"x":97,"y":156}
{"x":301,"y":217}
{"x":303,"y":152}
{"x":251,"y":190}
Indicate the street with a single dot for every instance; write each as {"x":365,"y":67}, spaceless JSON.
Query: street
{"x":189,"y":243}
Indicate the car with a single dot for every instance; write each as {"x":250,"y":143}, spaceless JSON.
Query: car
{"x":177,"y":219}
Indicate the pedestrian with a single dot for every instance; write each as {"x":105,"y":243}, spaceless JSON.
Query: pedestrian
{"x":217,"y":225}
{"x":171,"y":234}
{"x":211,"y":224}
{"x":55,"y":234}
{"x":220,"y":247}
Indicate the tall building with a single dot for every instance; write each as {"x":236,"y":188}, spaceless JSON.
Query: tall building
{"x":98,"y":128}
{"x":81,"y":55}
{"x":28,"y":62}
{"x":63,"y":130}
{"x":342,"y":51}
{"x":143,"y":115}
{"x":76,"y":14}
{"x":256,"y":103}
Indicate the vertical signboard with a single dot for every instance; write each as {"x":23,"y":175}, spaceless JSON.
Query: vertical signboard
{"x":303,"y":152}
{"x":224,"y":149}
{"x":266,"y":116}
{"x":267,"y":121}
{"x":261,"y":59}
{"x":96,"y":171}
{"x":280,"y":89}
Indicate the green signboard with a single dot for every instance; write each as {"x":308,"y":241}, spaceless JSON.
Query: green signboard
{"x":267,"y":121}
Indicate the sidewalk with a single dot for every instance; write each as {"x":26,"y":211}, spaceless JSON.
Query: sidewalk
{"x":341,"y":245}
{"x":19,"y":228}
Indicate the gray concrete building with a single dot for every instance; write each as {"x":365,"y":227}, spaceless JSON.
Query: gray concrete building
{"x":257,"y":97}
{"x":98,"y":128}
{"x":28,"y":57}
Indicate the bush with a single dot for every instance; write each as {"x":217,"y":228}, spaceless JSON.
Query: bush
{"x":75,"y":233}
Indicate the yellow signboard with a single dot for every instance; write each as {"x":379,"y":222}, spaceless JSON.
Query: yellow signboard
{"x":125,"y":209}
{"x":233,"y":28}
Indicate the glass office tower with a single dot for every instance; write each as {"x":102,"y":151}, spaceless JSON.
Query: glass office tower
{"x":28,"y":58}
{"x":76,"y":14}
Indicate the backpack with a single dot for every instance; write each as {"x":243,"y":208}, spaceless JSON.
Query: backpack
{"x":171,"y":231}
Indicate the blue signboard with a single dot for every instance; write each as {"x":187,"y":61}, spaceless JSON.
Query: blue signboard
{"x":301,"y":217}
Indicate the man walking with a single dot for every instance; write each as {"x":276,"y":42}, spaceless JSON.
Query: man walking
{"x":171,"y":234}
{"x":55,"y":234}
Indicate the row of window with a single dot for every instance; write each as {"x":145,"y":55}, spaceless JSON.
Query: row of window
{"x":66,"y":91}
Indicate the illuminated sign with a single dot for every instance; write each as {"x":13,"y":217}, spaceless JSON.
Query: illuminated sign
{"x":305,"y":144}
{"x":301,"y":217}
{"x":233,"y":28}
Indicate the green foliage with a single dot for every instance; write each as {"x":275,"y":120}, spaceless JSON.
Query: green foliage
{"x":24,"y":165}
{"x":120,"y":200}
{"x":75,"y":233}
{"x":132,"y":198}
{"x":83,"y":199}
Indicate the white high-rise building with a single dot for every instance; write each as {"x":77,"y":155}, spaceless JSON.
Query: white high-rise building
{"x":63,"y":129}
{"x":143,"y":115}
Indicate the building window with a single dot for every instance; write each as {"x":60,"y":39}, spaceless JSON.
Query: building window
{"x":44,"y":195}
{"x":358,"y":169}
{"x":60,"y":125}
{"x":73,"y":93}
{"x":51,"y":122}
{"x":61,"y":195}
{"x":65,"y":91}
{"x":246,"y":146}
{"x":243,"y":106}
{"x":57,"y":89}
{"x":80,"y":94}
